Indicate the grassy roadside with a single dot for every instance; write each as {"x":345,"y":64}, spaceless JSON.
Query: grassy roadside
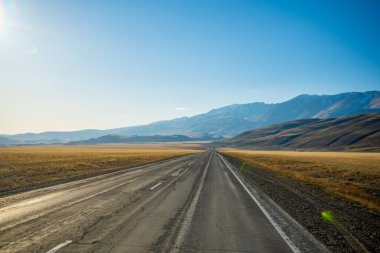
{"x":355,"y":176}
{"x":27,"y":166}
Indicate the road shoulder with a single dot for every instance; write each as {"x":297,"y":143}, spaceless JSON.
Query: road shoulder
{"x":306,"y":204}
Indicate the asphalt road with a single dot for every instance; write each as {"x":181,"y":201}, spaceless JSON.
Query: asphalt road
{"x":194,"y":203}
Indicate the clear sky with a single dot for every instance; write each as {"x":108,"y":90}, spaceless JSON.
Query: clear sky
{"x":77,"y":64}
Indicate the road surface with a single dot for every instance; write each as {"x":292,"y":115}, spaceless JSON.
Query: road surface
{"x":195,"y":203}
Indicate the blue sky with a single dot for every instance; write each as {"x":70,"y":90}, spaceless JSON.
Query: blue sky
{"x":68,"y":65}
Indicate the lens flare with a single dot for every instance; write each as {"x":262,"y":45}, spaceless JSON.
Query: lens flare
{"x":1,"y":14}
{"x":328,"y":216}
{"x":243,"y":168}
{"x":32,"y":50}
{"x":9,"y":14}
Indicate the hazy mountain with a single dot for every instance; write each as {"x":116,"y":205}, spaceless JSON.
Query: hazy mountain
{"x":356,"y":131}
{"x":56,"y":136}
{"x":7,"y":141}
{"x":112,"y":138}
{"x":233,"y":119}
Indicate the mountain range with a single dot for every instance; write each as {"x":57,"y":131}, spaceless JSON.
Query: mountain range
{"x":351,"y":132}
{"x":227,"y":121}
{"x":114,"y":138}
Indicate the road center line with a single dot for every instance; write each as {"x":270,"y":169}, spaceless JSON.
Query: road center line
{"x":59,"y":246}
{"x":190,"y":213}
{"x":155,"y":186}
{"x":275,"y":225}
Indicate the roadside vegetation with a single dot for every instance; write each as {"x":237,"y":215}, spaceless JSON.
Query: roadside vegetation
{"x":353,"y":175}
{"x":23,"y":167}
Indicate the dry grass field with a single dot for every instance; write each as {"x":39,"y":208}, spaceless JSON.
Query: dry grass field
{"x":33,"y":165}
{"x":353,"y":175}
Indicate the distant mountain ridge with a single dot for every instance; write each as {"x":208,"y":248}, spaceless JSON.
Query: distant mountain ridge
{"x":355,"y":131}
{"x":112,"y":138}
{"x":231,"y":120}
{"x":7,"y":141}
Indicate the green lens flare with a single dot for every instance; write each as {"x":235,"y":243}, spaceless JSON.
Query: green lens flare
{"x":242,"y":168}
{"x":328,"y":216}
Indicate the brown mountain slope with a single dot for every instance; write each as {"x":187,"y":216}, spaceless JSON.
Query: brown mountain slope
{"x":356,"y":131}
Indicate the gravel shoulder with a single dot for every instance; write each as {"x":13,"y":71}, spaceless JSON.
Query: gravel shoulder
{"x":347,"y":227}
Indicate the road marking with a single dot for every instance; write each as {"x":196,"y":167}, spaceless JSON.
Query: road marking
{"x":68,"y":204}
{"x":155,"y":186}
{"x":59,"y":246}
{"x":54,"y":195}
{"x":50,"y":196}
{"x":101,"y":192}
{"x":275,"y":225}
{"x":190,"y":213}
{"x":176,"y":173}
{"x":31,"y":201}
{"x":133,"y":172}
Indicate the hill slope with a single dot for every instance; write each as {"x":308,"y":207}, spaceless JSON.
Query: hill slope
{"x":233,"y":119}
{"x":357,"y":131}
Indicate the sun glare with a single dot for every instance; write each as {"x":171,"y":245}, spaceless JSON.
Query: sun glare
{"x":1,"y":16}
{"x":8,"y":14}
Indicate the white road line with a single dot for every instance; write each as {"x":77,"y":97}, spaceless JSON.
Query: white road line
{"x":275,"y":225}
{"x":133,"y":172}
{"x":190,"y":213}
{"x":176,"y":173}
{"x":59,"y":246}
{"x":47,"y":197}
{"x":31,"y":201}
{"x":155,"y":186}
{"x":68,"y":204}
{"x":101,"y":192}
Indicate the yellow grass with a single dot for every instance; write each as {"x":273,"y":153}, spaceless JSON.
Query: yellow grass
{"x":24,"y":166}
{"x":353,"y":175}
